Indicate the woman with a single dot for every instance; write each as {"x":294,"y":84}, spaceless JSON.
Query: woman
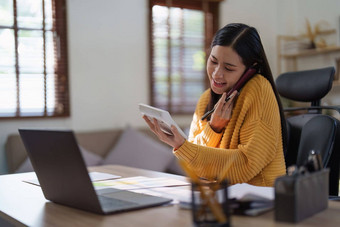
{"x":244,"y":138}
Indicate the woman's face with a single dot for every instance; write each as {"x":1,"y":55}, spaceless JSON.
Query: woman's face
{"x":224,"y":68}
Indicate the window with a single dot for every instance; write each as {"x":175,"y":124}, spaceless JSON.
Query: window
{"x":180,"y":35}
{"x":33,"y":59}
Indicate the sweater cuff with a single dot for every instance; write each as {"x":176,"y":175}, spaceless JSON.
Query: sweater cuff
{"x":186,"y":152}
{"x":213,"y":138}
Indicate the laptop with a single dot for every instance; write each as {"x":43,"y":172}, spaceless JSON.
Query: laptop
{"x":64,"y":179}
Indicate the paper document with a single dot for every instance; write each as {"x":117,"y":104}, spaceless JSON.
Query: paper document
{"x":139,"y":182}
{"x":98,"y":176}
{"x":95,"y":176}
{"x":177,"y":194}
{"x":240,"y":190}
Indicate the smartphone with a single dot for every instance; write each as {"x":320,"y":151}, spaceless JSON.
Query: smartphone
{"x":244,"y":78}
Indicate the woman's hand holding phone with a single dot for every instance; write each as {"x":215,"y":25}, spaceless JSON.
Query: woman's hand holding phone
{"x":222,"y":114}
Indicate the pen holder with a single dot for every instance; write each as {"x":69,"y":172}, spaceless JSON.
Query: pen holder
{"x":210,"y":205}
{"x":301,"y":195}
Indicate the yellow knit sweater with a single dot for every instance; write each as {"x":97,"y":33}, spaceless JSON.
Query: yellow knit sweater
{"x":249,"y":150}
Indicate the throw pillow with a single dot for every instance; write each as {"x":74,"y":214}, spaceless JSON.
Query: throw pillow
{"x":90,"y":158}
{"x":135,"y":149}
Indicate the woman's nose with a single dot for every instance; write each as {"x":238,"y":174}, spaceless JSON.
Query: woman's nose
{"x":218,"y":72}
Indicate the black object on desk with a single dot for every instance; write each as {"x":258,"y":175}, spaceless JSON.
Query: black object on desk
{"x":301,"y":195}
{"x":251,"y":205}
{"x":210,"y":204}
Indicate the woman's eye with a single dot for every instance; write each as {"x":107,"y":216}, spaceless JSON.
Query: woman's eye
{"x":214,"y":62}
{"x":230,"y":70}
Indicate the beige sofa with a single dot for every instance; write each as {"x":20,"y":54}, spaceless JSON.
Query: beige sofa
{"x":111,"y":147}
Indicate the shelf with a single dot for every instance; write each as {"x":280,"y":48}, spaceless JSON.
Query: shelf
{"x":312,"y":52}
{"x":288,"y":57}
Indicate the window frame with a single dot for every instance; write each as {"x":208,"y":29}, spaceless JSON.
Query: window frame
{"x":211,"y":18}
{"x":61,"y":86}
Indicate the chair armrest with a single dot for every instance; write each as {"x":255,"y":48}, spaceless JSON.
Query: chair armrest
{"x":337,"y":108}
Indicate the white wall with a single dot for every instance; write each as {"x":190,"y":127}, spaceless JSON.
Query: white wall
{"x":261,"y":14}
{"x":316,"y":11}
{"x":108,"y":56}
{"x":108,"y":62}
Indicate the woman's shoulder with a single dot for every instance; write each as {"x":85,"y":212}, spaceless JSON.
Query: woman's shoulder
{"x":258,"y":95}
{"x":257,"y":90}
{"x":258,"y":84}
{"x":259,"y":80}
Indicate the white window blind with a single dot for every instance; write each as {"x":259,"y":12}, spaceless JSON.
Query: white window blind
{"x":33,"y":59}
{"x":181,"y":33}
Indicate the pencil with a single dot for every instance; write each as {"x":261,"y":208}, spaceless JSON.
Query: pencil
{"x":208,"y":197}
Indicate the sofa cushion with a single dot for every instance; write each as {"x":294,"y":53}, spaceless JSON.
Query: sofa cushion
{"x":90,"y":158}
{"x":175,"y":168}
{"x":138,"y":150}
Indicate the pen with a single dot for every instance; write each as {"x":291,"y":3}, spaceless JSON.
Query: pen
{"x":207,"y":114}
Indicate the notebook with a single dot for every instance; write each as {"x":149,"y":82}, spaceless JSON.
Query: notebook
{"x":64,"y":179}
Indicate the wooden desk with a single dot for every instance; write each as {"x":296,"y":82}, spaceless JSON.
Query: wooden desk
{"x":23,"y":204}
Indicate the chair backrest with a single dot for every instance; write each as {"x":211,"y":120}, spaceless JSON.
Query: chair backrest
{"x":294,"y":129}
{"x":317,"y":134}
{"x":321,"y":134}
{"x":306,"y":86}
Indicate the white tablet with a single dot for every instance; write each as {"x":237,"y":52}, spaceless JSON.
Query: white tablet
{"x":163,"y":116}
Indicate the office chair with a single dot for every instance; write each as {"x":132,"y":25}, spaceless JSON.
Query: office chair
{"x":308,"y":86}
{"x":303,"y":86}
{"x":321,"y":134}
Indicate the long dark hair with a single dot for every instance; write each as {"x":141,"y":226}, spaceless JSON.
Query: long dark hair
{"x":246,"y":42}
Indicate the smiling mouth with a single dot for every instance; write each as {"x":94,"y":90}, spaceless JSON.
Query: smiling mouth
{"x":218,"y":84}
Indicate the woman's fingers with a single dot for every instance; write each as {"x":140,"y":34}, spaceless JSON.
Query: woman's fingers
{"x":233,"y":96}
{"x":220,"y":104}
{"x":150,"y":124}
{"x":228,"y":107}
{"x":231,"y":99}
{"x":175,"y":140}
{"x":154,"y":126}
{"x":175,"y":131}
{"x":178,"y":139}
{"x":157,"y":126}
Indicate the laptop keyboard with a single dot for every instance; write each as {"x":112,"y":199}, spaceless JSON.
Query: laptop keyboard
{"x":107,"y":202}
